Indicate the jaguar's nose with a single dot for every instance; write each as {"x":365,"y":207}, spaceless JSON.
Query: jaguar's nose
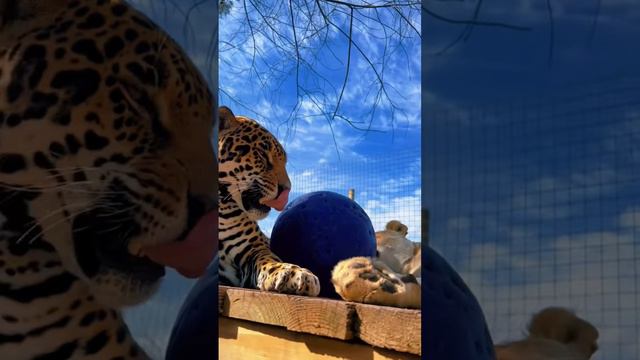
{"x":281,"y":188}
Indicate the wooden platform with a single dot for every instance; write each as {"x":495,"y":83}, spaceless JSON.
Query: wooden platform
{"x":260,"y":325}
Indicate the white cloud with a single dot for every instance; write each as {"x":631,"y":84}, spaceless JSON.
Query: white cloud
{"x":630,"y":218}
{"x":275,"y":78}
{"x":593,"y":273}
{"x":551,"y":197}
{"x":387,"y":188}
{"x":533,"y":11}
{"x":459,"y":223}
{"x":405,"y":209}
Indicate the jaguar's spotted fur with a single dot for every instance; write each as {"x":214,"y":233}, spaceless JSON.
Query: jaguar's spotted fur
{"x":252,"y":175}
{"x":104,"y":144}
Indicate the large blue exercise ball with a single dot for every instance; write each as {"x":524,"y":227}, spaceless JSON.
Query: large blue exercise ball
{"x":195,"y":332}
{"x":454,"y":325}
{"x":318,"y":230}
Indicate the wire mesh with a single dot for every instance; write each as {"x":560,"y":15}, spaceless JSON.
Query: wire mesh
{"x":386,"y":186}
{"x":151,"y":323}
{"x":536,"y":203}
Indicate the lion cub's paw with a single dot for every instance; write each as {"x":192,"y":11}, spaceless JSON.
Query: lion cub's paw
{"x":370,"y":281}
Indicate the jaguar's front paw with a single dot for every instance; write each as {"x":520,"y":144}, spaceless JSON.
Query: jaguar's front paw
{"x":289,"y":279}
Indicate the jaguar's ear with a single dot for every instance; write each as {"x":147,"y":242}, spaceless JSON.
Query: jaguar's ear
{"x":227,"y":120}
{"x":14,"y":11}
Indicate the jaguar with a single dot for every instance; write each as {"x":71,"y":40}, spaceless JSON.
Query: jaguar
{"x":252,"y":180}
{"x":107,"y":174}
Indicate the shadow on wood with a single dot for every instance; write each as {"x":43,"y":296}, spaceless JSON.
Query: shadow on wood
{"x":383,"y":327}
{"x":240,"y":339}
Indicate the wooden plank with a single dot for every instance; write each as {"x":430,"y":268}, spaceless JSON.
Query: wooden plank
{"x":381,"y":326}
{"x":240,"y":339}
{"x":316,"y":316}
{"x":390,"y":328}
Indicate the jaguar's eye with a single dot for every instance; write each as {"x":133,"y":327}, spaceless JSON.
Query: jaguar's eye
{"x":142,"y":106}
{"x":268,"y":159}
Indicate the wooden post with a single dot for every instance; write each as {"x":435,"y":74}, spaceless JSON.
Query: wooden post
{"x":352,"y":194}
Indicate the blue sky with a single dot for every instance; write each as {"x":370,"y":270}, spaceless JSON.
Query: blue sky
{"x":533,"y":166}
{"x":382,"y":164}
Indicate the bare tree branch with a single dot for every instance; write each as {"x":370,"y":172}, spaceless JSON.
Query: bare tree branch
{"x":298,"y":36}
{"x":474,"y":22}
{"x":346,"y":72}
{"x":551,"y":33}
{"x":594,"y":24}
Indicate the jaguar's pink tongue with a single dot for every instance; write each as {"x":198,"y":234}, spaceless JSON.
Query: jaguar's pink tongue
{"x":280,"y":202}
{"x":191,"y":256}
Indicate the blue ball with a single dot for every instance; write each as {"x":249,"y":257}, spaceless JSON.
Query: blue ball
{"x":195,"y":332}
{"x":455,"y":328}
{"x":318,"y":230}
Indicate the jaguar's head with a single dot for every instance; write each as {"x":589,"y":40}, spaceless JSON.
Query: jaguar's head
{"x":110,"y":125}
{"x":252,"y":166}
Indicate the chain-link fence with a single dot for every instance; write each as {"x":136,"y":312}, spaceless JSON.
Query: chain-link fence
{"x":386,"y":186}
{"x":537,"y":203}
{"x":151,"y":322}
